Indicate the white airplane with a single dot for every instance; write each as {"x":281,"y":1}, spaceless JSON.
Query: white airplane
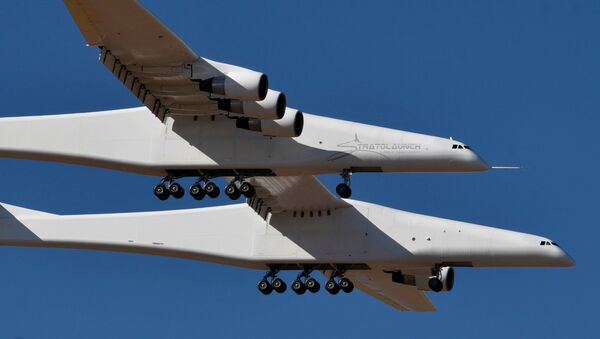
{"x":295,"y":223}
{"x":208,"y":119}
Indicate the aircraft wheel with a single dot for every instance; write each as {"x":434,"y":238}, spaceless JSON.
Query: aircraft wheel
{"x":435,"y":284}
{"x":264,"y":287}
{"x":161,"y":192}
{"x":343,"y":190}
{"x":312,"y":285}
{"x":298,"y":287}
{"x":212,"y":190}
{"x":247,"y":190}
{"x":232,"y":191}
{"x":279,"y":285}
{"x":197,"y":192}
{"x":346,"y":285}
{"x":176,"y":190}
{"x":332,"y":287}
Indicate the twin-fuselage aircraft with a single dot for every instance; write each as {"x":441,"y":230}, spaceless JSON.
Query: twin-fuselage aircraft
{"x":206,"y":119}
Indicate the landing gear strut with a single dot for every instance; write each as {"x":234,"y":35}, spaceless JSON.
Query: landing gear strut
{"x":343,"y":189}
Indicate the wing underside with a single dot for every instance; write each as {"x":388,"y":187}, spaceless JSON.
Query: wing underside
{"x":379,"y":284}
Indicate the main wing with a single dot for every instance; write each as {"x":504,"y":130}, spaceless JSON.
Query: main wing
{"x":164,"y":73}
{"x":379,"y":284}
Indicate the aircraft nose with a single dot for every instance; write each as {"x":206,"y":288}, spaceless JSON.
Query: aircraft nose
{"x":478,"y":163}
{"x":565,"y":260}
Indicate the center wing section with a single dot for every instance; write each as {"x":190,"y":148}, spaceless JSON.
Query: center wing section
{"x":379,"y":284}
{"x":301,"y":194}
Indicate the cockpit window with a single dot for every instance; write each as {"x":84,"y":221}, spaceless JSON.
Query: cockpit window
{"x":542,"y":243}
{"x":548,"y":243}
{"x":457,"y":146}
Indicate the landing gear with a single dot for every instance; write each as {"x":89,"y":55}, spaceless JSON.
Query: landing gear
{"x":275,"y":284}
{"x":298,"y":286}
{"x":265,"y":287}
{"x":197,"y":192}
{"x":311,"y":284}
{"x":279,"y":285}
{"x":435,"y":284}
{"x":161,"y":192}
{"x":332,"y":287}
{"x":304,"y":282}
{"x":176,"y":190}
{"x":343,"y":189}
{"x":346,"y":285}
{"x":212,"y":190}
{"x":238,"y":187}
{"x":247,"y":190}
{"x":232,"y":191}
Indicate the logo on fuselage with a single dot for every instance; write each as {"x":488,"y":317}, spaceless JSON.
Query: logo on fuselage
{"x":355,"y":145}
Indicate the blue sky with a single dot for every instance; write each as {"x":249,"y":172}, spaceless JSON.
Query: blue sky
{"x":516,"y":80}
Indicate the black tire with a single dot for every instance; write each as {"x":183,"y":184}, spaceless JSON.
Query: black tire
{"x":232,"y":191}
{"x":212,"y":190}
{"x":247,"y":190}
{"x":346,"y":285}
{"x":312,"y":285}
{"x":197,"y":192}
{"x":435,"y":284}
{"x":176,"y":190}
{"x":161,"y":192}
{"x":332,"y":287}
{"x":298,"y":287}
{"x":279,"y":285}
{"x":264,"y":287}
{"x":343,"y":190}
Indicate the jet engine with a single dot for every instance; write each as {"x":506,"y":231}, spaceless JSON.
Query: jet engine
{"x":272,"y":107}
{"x":440,"y":280}
{"x":241,"y":85}
{"x":290,"y":125}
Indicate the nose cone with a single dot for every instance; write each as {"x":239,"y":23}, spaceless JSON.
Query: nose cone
{"x":564,"y":260}
{"x":477,"y":164}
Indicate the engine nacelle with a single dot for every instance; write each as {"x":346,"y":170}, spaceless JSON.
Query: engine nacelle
{"x":272,"y":107}
{"x":442,"y":281}
{"x":290,"y":125}
{"x":241,"y":85}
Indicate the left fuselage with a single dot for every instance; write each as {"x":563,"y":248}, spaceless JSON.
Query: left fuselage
{"x":134,"y":140}
{"x":362,"y":234}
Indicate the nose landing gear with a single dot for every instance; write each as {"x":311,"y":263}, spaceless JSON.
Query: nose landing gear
{"x":343,"y":189}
